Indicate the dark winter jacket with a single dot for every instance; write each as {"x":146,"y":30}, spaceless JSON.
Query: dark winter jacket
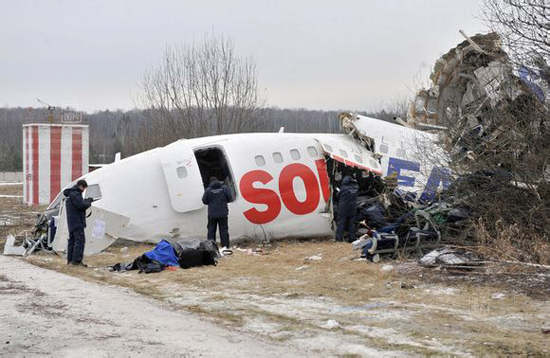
{"x":347,"y":197}
{"x":216,"y":196}
{"x":76,"y":207}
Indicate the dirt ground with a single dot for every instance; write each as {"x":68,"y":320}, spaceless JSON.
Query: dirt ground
{"x":53,"y":314}
{"x":312,"y":296}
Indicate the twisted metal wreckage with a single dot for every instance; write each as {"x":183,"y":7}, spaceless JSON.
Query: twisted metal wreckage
{"x":283,"y":184}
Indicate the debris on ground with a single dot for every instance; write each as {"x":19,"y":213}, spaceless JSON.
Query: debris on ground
{"x":11,"y":249}
{"x":451,"y":258}
{"x":249,"y":251}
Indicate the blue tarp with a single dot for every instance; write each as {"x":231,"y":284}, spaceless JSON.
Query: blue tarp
{"x":164,"y":254}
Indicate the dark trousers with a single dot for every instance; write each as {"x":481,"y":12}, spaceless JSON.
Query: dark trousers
{"x":345,"y":223}
{"x":75,"y":249}
{"x":213,"y":223}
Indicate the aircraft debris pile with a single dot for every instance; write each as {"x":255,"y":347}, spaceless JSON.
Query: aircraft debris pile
{"x":393,"y":221}
{"x":38,"y":238}
{"x":470,"y":83}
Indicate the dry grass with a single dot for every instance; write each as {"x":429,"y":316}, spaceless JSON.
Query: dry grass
{"x":282,"y":296}
{"x":267,"y":291}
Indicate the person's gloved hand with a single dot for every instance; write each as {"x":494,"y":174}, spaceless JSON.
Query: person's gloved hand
{"x":89,"y":200}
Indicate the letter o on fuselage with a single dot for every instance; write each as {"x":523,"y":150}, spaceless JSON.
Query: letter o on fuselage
{"x":288,"y":195}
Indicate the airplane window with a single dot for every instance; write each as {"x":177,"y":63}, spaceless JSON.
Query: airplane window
{"x":344,"y":153}
{"x":295,"y":154}
{"x":312,"y":152}
{"x":358,"y":158}
{"x":182,"y":172}
{"x":384,"y":148}
{"x":400,"y":153}
{"x":277,"y":157}
{"x":328,"y":147}
{"x":260,"y":161}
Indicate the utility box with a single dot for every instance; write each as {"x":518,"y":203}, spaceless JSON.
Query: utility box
{"x":54,"y":155}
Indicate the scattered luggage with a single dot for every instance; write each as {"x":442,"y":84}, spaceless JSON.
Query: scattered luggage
{"x":185,"y":254}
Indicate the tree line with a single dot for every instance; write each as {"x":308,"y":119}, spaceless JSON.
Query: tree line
{"x":126,"y":131}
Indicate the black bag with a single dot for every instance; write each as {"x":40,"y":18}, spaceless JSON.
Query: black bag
{"x":206,"y":254}
{"x":191,"y":258}
{"x":151,"y":267}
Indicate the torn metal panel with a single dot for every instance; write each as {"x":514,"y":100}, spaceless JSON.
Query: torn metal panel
{"x":103,"y":228}
{"x":11,"y":249}
{"x":351,"y":155}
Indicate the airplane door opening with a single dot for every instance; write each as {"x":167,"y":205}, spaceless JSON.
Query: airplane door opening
{"x":371,"y":185}
{"x":213,"y":162}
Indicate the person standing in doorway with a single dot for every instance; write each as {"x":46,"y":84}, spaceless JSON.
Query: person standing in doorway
{"x":216,"y":196}
{"x":347,"y":208}
{"x":76,"y":207}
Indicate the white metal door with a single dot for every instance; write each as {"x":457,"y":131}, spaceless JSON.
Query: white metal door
{"x":183,"y":177}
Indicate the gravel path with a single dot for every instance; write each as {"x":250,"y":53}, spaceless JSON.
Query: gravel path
{"x":48,"y":313}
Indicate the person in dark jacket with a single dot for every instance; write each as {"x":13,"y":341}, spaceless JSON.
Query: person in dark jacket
{"x":347,"y":208}
{"x":216,"y":196}
{"x":76,"y":207}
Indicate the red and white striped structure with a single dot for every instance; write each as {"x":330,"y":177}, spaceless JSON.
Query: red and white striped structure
{"x":54,"y":155}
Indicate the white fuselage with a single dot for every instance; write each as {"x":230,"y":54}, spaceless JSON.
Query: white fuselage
{"x":279,"y":180}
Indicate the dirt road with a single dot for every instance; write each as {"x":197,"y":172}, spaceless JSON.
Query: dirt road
{"x":49,"y":313}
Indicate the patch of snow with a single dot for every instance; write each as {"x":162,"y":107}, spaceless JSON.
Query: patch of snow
{"x":331,"y":324}
{"x":387,"y":268}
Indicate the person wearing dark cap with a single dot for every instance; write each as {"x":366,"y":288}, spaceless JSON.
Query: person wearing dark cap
{"x":76,"y":207}
{"x":347,"y":208}
{"x":216,"y":196}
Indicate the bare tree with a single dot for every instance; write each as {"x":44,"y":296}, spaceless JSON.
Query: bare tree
{"x":200,"y":89}
{"x":524,"y":26}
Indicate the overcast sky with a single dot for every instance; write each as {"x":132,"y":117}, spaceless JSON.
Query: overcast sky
{"x":353,"y":55}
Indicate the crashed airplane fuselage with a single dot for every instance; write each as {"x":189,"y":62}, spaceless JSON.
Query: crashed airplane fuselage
{"x":279,"y":181}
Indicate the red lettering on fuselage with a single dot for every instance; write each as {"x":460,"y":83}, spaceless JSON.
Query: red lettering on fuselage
{"x":288,"y":195}
{"x":271,"y":199}
{"x":323,"y":178}
{"x":259,"y":196}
